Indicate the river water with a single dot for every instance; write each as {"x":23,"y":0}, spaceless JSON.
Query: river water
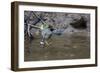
{"x":74,"y":46}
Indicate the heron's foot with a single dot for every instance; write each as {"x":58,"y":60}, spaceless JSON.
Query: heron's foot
{"x":42,"y":44}
{"x":45,"y":44}
{"x":48,"y":44}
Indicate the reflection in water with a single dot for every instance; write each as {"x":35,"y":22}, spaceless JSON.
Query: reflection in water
{"x":74,"y":46}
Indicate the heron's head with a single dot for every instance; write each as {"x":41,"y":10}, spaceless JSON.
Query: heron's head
{"x":51,"y":27}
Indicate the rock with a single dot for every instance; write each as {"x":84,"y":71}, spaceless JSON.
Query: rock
{"x":70,"y":22}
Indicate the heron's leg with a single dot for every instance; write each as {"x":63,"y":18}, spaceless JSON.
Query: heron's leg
{"x":42,"y":42}
{"x":46,"y":42}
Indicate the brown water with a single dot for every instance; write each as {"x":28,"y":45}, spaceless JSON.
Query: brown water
{"x":75,"y":46}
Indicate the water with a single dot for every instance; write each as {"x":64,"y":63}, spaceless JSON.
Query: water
{"x":74,"y":46}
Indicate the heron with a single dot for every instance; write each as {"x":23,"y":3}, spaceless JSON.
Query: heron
{"x":46,"y":32}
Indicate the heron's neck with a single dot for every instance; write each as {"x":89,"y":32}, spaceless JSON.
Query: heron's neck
{"x":41,"y":27}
